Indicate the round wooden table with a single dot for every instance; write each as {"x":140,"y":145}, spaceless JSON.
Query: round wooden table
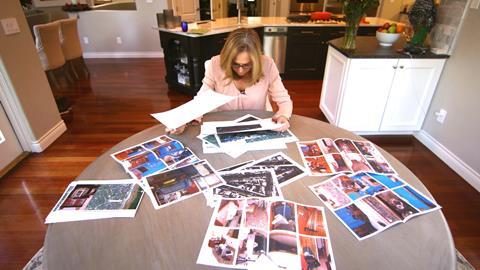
{"x":170,"y":238}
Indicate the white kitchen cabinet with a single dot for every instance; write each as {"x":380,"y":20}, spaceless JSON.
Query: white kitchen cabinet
{"x":378,"y":96}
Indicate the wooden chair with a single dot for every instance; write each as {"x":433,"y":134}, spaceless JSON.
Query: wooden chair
{"x":47,"y":41}
{"x":71,"y":46}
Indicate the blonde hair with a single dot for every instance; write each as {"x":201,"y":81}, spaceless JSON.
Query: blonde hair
{"x":238,"y":41}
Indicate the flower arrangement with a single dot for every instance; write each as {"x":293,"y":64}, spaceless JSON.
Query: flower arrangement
{"x":354,"y":11}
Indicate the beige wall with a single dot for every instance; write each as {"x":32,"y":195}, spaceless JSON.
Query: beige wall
{"x":133,"y":27}
{"x":25,"y":73}
{"x":458,"y":92}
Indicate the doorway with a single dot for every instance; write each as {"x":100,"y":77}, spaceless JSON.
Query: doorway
{"x":11,"y":151}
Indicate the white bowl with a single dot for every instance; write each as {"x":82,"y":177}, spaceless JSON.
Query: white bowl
{"x":387,"y":39}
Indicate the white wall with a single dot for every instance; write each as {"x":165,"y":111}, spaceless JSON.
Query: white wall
{"x":26,"y":81}
{"x":134,"y":27}
{"x":457,"y":141}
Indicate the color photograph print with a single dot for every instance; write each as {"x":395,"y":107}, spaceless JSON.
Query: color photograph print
{"x":230,"y":213}
{"x":178,"y":184}
{"x":221,"y":247}
{"x":252,"y":244}
{"x":140,"y":148}
{"x":416,"y":199}
{"x":330,"y":195}
{"x":311,"y":221}
{"x":256,"y":214}
{"x":282,"y":216}
{"x":283,"y":249}
{"x":357,"y":222}
{"x":315,"y":254}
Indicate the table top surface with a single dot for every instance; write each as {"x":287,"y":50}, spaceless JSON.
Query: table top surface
{"x":170,"y":238}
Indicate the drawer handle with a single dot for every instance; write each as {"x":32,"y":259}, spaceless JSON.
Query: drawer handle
{"x":307,"y":32}
{"x":394,"y":67}
{"x":401,"y":67}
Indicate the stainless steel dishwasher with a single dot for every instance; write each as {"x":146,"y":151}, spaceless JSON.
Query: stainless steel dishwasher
{"x":275,"y":45}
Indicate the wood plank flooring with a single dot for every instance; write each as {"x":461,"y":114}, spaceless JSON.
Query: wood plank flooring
{"x":116,"y":102}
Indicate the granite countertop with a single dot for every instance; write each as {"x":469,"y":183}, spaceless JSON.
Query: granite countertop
{"x":368,"y":47}
{"x":225,"y":25}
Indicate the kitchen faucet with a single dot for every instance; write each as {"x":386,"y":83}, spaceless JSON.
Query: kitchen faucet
{"x":239,"y":13}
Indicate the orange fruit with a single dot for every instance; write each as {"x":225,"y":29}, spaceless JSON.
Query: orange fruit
{"x":400,"y":28}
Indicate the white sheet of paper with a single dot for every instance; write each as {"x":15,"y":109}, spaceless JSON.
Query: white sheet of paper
{"x":193,"y":109}
{"x":2,"y":138}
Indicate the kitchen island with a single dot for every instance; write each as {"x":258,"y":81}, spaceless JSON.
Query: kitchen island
{"x":378,"y":90}
{"x":305,"y":50}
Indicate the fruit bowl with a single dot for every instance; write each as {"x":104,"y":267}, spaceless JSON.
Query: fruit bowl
{"x":387,"y":39}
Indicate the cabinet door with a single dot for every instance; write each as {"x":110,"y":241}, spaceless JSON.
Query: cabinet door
{"x":365,"y":93}
{"x":304,"y":50}
{"x":412,"y":90}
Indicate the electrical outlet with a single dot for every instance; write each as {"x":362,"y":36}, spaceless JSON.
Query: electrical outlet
{"x":85,"y":40}
{"x":119,"y":40}
{"x":10,"y":26}
{"x":441,"y":115}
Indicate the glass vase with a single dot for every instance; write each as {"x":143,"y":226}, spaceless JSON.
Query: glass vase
{"x":351,"y":28}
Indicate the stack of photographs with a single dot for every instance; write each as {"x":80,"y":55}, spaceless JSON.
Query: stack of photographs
{"x":174,"y":185}
{"x":369,"y":203}
{"x":286,"y":170}
{"x":97,"y":199}
{"x":153,"y":156}
{"x":244,"y":179}
{"x":243,"y":134}
{"x":326,"y":156}
{"x":266,"y":233}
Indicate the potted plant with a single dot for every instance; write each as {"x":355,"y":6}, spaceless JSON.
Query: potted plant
{"x":354,"y":11}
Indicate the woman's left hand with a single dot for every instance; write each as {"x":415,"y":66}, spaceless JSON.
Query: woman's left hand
{"x":281,"y":120}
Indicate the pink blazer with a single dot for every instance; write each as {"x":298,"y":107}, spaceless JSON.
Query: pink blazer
{"x":255,"y":97}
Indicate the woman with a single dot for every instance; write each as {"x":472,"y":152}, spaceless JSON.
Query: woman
{"x":242,"y":70}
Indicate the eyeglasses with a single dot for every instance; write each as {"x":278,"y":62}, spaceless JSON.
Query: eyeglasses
{"x":244,"y":66}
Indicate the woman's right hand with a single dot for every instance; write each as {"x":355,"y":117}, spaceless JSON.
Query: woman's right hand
{"x":177,"y":131}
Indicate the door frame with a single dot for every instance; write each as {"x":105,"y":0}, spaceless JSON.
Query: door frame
{"x":14,"y":111}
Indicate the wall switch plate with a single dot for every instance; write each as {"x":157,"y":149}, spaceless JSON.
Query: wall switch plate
{"x":441,"y":115}
{"x":10,"y":26}
{"x":85,"y":40}
{"x":475,"y":4}
{"x":119,"y":40}
{"x":149,"y":1}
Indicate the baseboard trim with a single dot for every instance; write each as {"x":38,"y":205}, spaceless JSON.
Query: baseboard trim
{"x":156,"y":54}
{"x":49,"y":137}
{"x":454,"y":162}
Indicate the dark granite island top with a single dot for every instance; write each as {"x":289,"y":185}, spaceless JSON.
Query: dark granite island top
{"x":368,"y":47}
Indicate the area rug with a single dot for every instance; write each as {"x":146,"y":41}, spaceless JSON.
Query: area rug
{"x":36,"y":262}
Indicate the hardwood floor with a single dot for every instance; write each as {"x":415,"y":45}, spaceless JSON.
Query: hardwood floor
{"x":116,"y":102}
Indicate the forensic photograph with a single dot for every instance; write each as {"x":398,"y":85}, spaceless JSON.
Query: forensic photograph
{"x":310,"y":221}
{"x":315,"y":254}
{"x":397,"y":205}
{"x":282,"y":216}
{"x":230,"y":213}
{"x":310,"y":149}
{"x":257,"y":182}
{"x":221,"y":246}
{"x":253,"y":244}
{"x":256,"y":214}
{"x":327,"y":146}
{"x":330,"y":194}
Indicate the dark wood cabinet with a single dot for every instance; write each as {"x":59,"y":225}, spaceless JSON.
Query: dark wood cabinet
{"x":185,"y":57}
{"x":307,"y":50}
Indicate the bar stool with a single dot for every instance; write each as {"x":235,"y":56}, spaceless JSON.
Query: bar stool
{"x":47,"y":41}
{"x":71,"y":45}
